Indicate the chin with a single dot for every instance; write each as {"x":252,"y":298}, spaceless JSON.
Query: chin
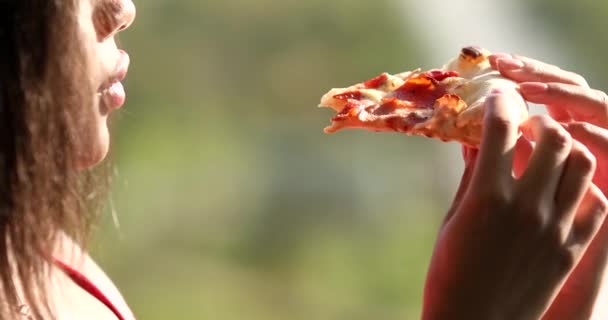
{"x":96,"y":151}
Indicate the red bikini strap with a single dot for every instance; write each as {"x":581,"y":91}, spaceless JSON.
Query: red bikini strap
{"x":86,"y":284}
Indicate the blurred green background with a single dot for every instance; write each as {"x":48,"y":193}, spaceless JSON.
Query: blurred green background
{"x":232,"y":202}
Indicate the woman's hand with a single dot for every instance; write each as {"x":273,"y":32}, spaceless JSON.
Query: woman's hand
{"x":507,"y":245}
{"x":568,"y":99}
{"x":584,"y":114}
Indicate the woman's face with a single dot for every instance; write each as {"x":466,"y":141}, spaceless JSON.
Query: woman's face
{"x":100,"y":21}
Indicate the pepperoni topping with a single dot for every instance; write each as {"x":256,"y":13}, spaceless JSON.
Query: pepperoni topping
{"x":351,"y":109}
{"x":399,"y":110}
{"x":420,"y":91}
{"x":389,"y":105}
{"x":415,"y":118}
{"x":349,"y":95}
{"x":440,"y":75}
{"x":376,"y":82}
{"x":399,"y":123}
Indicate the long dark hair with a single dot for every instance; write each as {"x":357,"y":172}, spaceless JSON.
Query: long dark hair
{"x":45,"y":122}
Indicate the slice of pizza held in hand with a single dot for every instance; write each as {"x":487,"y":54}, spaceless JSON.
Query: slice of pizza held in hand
{"x":446,"y":103}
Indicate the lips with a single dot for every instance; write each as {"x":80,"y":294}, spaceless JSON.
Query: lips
{"x":112,"y":91}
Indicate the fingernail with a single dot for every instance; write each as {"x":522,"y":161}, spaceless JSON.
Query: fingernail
{"x":509,"y":64}
{"x":532,"y":87}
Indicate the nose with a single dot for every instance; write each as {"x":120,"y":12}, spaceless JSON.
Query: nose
{"x":128,"y":15}
{"x":113,"y":16}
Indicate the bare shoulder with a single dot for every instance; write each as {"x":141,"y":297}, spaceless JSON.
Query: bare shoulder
{"x":70,"y":297}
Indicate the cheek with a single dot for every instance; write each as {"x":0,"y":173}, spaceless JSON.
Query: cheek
{"x":95,"y":136}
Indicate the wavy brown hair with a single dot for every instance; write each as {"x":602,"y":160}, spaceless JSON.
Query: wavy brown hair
{"x":45,"y":119}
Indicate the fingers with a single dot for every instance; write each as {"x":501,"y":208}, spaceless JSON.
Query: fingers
{"x":566,"y":94}
{"x":523,"y":151}
{"x":589,"y":217}
{"x":470,"y":157}
{"x":579,"y":103}
{"x":537,"y":91}
{"x":594,"y":137}
{"x":540,"y":179}
{"x":596,"y":140}
{"x":499,"y":136}
{"x":557,"y":178}
{"x":575,"y":181}
{"x":468,"y":153}
{"x":523,"y":69}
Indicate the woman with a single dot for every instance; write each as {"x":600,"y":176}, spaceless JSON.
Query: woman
{"x":59,"y":80}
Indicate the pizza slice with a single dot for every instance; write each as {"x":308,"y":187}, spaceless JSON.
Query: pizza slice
{"x":446,"y":103}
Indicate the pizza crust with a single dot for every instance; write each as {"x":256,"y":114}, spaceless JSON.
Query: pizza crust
{"x":455,"y":115}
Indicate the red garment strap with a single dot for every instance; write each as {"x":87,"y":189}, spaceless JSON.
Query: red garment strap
{"x":82,"y":281}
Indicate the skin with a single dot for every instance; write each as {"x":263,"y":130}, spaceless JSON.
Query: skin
{"x":583,"y":112}
{"x":553,"y":201}
{"x":100,"y":22}
{"x":521,"y":220}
